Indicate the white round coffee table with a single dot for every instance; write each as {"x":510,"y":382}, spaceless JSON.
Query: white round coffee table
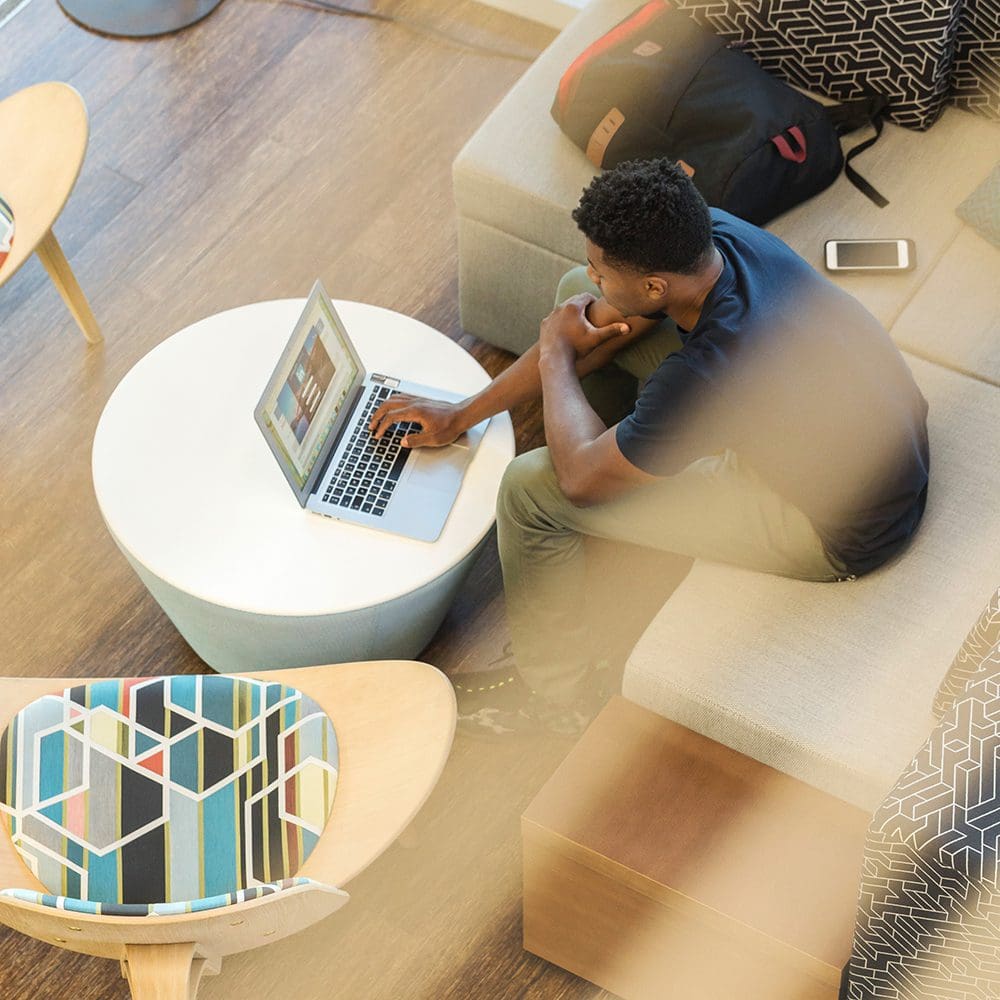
{"x":199,"y":507}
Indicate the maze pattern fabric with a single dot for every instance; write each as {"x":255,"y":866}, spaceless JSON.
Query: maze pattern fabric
{"x":168,"y":789}
{"x":929,"y":908}
{"x":978,"y":656}
{"x":903,"y":49}
{"x":976,"y":76}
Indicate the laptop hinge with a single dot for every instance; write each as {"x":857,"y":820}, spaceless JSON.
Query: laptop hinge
{"x":392,"y":383}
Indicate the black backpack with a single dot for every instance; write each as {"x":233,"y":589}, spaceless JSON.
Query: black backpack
{"x":659,"y":84}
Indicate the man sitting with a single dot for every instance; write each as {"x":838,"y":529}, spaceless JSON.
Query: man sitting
{"x":776,"y":427}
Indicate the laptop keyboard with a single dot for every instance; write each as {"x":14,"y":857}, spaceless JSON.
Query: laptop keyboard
{"x":368,"y":470}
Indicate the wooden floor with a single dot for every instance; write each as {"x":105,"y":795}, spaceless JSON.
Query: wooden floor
{"x":234,"y":162}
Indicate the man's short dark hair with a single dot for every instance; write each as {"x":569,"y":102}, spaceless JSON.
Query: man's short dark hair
{"x":647,"y":216}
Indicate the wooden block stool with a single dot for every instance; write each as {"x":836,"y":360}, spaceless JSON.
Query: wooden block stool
{"x":661,"y":864}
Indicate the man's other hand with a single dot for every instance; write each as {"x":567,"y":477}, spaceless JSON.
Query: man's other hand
{"x":567,"y":328}
{"x":440,"y":423}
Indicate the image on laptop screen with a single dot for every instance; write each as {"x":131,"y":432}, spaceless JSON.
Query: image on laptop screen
{"x":302,"y":404}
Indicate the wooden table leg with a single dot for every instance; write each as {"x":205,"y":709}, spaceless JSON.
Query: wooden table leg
{"x":162,"y":971}
{"x":54,"y":260}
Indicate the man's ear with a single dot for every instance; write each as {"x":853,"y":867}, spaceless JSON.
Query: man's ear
{"x":655,"y":286}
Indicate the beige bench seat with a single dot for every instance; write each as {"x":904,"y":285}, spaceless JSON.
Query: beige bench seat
{"x":832,"y":683}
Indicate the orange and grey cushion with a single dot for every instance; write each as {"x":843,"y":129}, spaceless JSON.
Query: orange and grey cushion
{"x":166,"y":794}
{"x":6,"y":230}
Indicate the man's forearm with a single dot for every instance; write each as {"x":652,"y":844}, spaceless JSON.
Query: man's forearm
{"x":601,"y":314}
{"x":570,"y":421}
{"x":522,"y":383}
{"x":516,"y":384}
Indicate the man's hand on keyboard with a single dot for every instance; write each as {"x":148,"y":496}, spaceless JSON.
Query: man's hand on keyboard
{"x":440,"y":423}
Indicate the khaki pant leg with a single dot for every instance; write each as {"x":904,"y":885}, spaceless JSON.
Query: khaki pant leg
{"x":715,"y":509}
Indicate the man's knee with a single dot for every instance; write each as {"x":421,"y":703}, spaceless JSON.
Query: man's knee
{"x":573,"y":282}
{"x":528,"y":482}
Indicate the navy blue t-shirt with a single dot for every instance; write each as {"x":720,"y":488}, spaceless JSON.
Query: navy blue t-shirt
{"x":804,"y":384}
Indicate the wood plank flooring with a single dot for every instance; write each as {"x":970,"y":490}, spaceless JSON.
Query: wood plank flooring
{"x":233,"y":162}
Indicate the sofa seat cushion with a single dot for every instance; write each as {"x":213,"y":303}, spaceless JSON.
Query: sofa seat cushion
{"x":833,"y":683}
{"x":954,"y":318}
{"x":981,"y":209}
{"x":167,"y":789}
{"x":925,"y":182}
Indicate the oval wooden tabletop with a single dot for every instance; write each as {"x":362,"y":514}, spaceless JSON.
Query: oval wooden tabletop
{"x":43,"y":139}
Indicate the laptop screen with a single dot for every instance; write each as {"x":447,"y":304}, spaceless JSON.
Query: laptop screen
{"x":302,"y":401}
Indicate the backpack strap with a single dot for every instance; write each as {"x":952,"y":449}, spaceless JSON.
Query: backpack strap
{"x":852,"y":115}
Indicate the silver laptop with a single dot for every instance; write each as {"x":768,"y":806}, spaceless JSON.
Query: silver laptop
{"x":314,"y":415}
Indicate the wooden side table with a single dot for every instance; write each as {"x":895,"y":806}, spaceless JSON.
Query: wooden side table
{"x":43,"y":139}
{"x":658,"y":863}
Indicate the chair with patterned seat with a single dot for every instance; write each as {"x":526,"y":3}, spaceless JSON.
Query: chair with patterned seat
{"x":170,"y":821}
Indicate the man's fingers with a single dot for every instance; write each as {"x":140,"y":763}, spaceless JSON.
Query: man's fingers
{"x":391,"y":416}
{"x":603,"y":333}
{"x":397,"y":402}
{"x":581,"y":300}
{"x":419,"y":439}
{"x":387,"y":407}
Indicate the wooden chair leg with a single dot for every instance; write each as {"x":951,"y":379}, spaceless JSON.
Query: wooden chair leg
{"x":162,"y":971}
{"x":199,"y":968}
{"x":54,"y":260}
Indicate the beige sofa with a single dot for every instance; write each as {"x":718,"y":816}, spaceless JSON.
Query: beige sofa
{"x":831,"y":683}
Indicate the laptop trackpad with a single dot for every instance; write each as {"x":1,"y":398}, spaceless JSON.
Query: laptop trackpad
{"x":439,"y":468}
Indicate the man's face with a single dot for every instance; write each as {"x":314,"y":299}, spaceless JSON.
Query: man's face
{"x":628,"y":292}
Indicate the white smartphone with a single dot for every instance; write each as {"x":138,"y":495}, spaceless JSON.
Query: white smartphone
{"x":870,"y":255}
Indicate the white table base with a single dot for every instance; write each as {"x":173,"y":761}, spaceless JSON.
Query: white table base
{"x":232,"y":641}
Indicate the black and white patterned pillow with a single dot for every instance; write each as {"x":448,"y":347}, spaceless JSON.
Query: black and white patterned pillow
{"x":976,"y":76}
{"x":903,"y":49}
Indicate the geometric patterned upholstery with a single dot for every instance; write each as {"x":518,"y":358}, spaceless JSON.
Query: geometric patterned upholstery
{"x":183,"y":791}
{"x":975,"y":78}
{"x":928,"y":921}
{"x":977,"y":656}
{"x":903,"y":51}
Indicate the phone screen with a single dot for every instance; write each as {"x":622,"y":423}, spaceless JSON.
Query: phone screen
{"x":881,"y":254}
